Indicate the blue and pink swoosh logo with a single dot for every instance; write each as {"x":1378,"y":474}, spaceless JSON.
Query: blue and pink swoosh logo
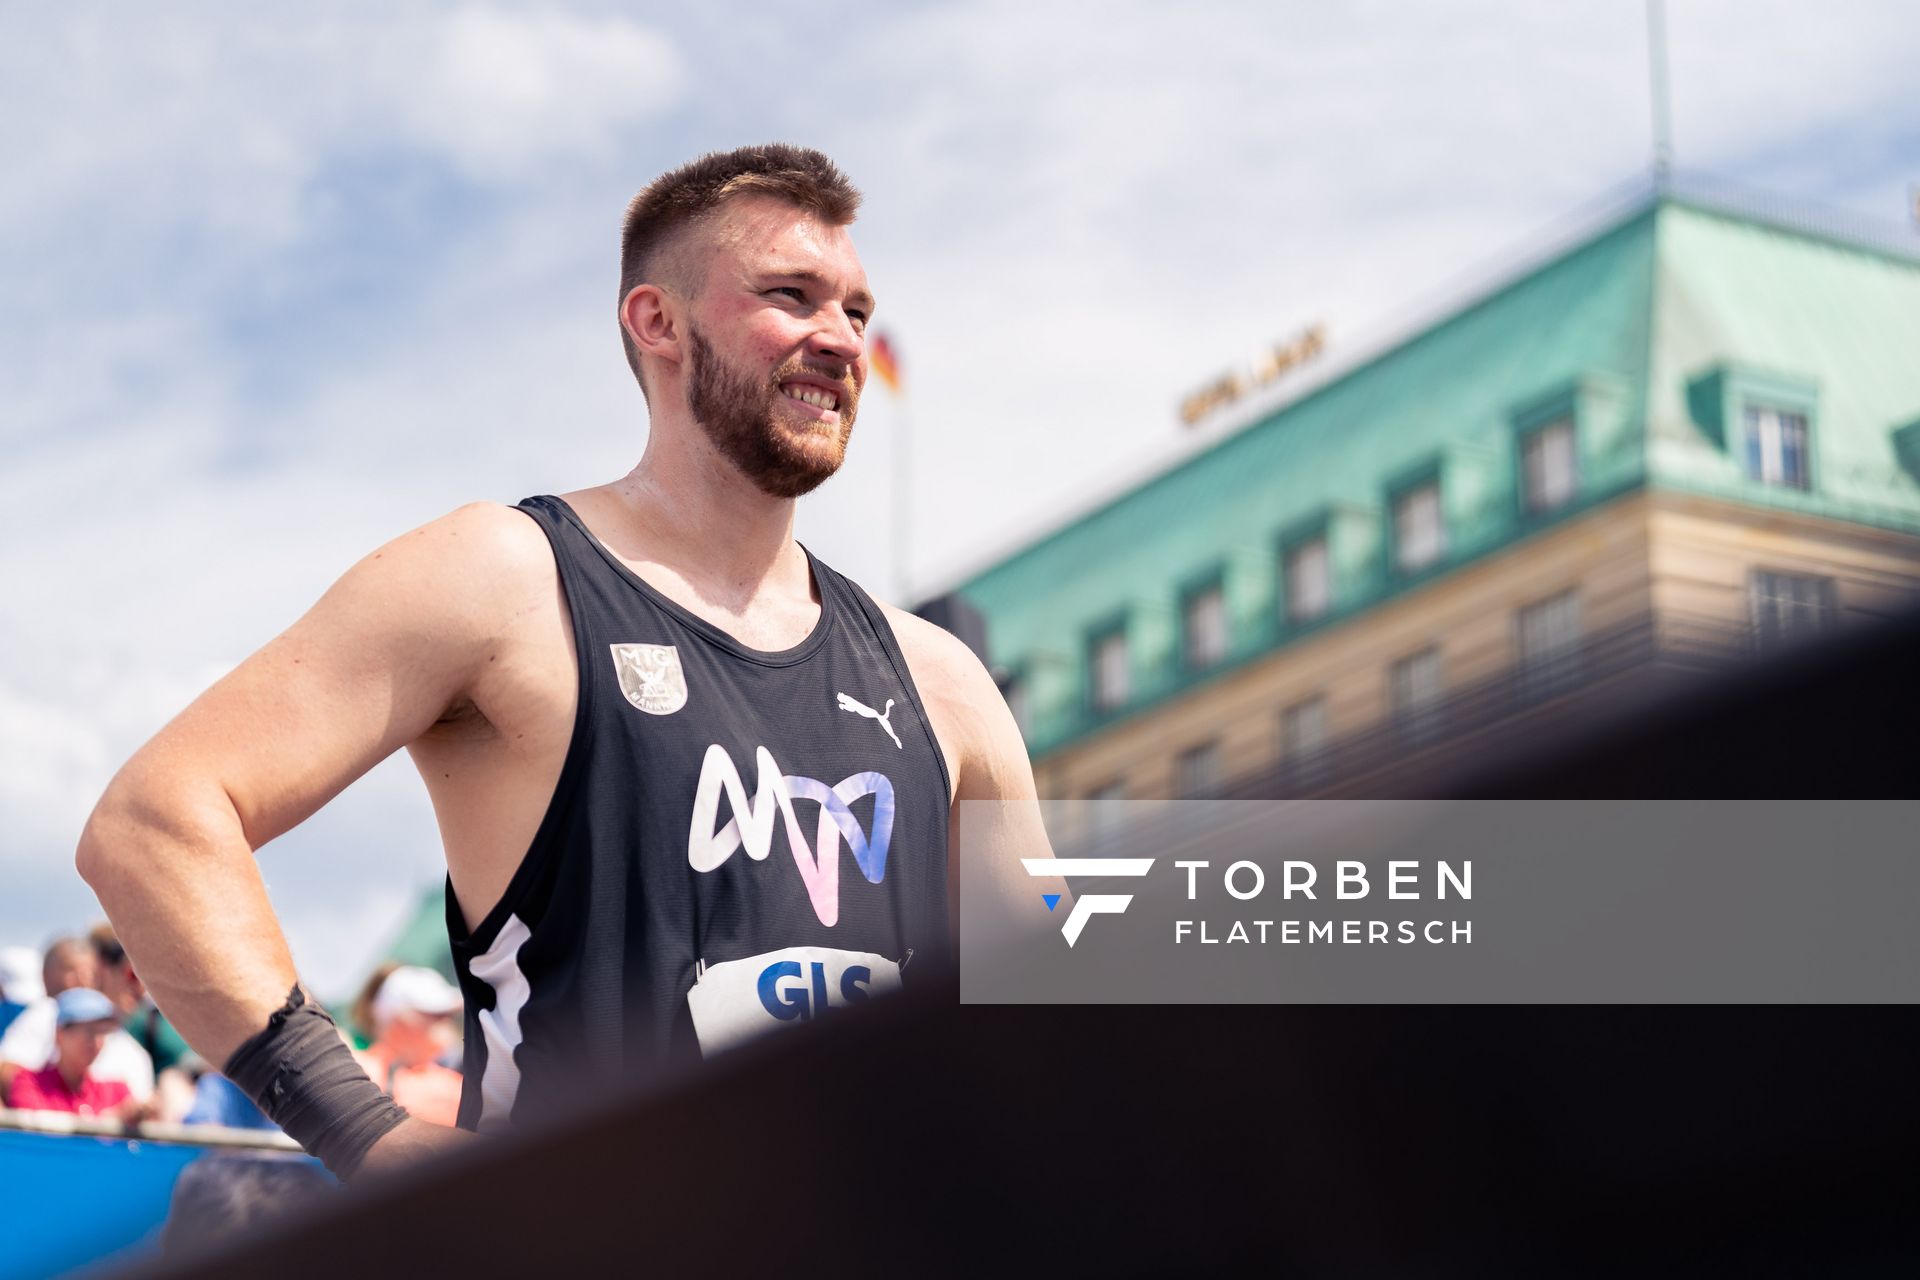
{"x":752,"y":824}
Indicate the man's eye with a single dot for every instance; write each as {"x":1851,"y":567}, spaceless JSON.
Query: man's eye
{"x":798,"y":294}
{"x":859,"y":319}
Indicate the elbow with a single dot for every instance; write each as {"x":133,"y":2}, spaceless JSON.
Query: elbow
{"x":121,"y":831}
{"x":148,"y":826}
{"x":103,"y":834}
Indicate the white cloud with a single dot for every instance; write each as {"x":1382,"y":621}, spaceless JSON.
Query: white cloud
{"x":1752,"y":77}
{"x":223,"y":122}
{"x":53,"y":763}
{"x":498,"y":87}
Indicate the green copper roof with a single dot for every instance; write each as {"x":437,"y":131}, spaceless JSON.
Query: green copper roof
{"x":1799,"y":316}
{"x":1651,"y":335}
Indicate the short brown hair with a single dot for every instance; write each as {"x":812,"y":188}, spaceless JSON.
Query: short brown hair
{"x":106,"y":944}
{"x":361,"y":1014}
{"x":695,"y":191}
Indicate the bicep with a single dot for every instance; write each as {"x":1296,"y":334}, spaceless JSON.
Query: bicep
{"x":366,"y":670}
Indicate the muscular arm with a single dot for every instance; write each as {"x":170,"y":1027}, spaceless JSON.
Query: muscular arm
{"x":169,"y":848}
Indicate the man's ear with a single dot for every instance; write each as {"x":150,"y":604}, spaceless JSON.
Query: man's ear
{"x":652,"y":319}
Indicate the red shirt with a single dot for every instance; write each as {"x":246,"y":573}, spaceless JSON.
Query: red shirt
{"x":429,"y":1091}
{"x":45,"y":1090}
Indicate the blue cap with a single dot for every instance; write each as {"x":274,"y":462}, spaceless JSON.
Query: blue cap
{"x":80,"y":1004}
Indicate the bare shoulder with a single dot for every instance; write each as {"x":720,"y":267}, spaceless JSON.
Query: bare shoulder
{"x":467,"y":574}
{"x":481,"y":543}
{"x":426,"y":608}
{"x":942,"y":664}
{"x":971,"y":719}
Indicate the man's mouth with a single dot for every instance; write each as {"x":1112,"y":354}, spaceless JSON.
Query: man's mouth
{"x":810,"y":394}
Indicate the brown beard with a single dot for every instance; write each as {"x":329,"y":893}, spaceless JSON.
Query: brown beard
{"x":737,"y":412}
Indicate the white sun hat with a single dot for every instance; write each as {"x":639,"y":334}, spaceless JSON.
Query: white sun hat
{"x":411,"y":989}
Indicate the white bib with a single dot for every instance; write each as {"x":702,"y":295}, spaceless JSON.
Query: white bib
{"x":734,"y":1001}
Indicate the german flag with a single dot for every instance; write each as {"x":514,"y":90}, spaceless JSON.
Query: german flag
{"x":884,"y":362}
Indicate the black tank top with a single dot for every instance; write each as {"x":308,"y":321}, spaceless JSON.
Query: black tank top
{"x":739,"y":840}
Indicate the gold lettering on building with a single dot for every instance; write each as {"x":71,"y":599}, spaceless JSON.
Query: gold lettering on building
{"x":1264,"y":369}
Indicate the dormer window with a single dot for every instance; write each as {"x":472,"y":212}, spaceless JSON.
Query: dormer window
{"x":1309,"y":583}
{"x":1204,"y":627}
{"x":1547,"y":462}
{"x":1110,"y":683}
{"x":1775,"y":447}
{"x":1014,"y":690}
{"x":1419,"y":533}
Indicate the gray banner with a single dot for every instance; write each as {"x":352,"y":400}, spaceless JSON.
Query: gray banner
{"x":1685,"y":901}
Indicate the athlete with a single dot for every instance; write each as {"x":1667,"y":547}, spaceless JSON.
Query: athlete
{"x":693,"y":784}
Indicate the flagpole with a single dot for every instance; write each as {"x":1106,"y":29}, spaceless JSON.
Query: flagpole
{"x":886,"y":365}
{"x":902,"y":501}
{"x":1657,"y":69}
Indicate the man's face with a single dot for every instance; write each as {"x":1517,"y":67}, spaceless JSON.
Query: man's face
{"x":415,"y":1038}
{"x":118,"y":983}
{"x":68,"y":969}
{"x":79,"y":1043}
{"x":776,"y":353}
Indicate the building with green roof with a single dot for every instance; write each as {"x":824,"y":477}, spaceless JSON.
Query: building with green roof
{"x":1685,"y":437}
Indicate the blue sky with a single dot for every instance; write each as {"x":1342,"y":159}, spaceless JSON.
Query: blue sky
{"x":281,"y":287}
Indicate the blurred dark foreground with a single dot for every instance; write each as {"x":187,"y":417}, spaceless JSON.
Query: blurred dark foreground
{"x":917,"y":1137}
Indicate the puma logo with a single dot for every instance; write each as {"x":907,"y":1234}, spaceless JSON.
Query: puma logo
{"x":861,"y":709}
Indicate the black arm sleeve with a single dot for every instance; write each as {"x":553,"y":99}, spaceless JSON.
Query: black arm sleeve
{"x":301,"y":1074}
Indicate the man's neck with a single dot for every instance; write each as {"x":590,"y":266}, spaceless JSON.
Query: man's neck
{"x":72,"y":1079}
{"x":697,"y":513}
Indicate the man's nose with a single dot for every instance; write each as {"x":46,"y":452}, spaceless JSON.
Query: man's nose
{"x":836,"y":338}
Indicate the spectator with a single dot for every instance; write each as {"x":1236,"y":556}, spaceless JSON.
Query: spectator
{"x":173,"y":1091}
{"x":20,"y":983}
{"x":69,"y":962}
{"x":413,"y":1012}
{"x":28,"y":1043}
{"x":140,"y":1016}
{"x":84,"y":1019}
{"x":359,"y":1023}
{"x":218,"y":1100}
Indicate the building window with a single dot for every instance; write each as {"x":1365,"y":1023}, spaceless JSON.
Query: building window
{"x":1110,"y":686}
{"x":1549,"y":638}
{"x":1204,"y":627}
{"x":1014,"y":690}
{"x":1106,"y":815}
{"x":1548,"y":467}
{"x":1199,"y":771}
{"x":1414,"y":690}
{"x":1303,"y":736}
{"x":1788,"y":607}
{"x":1776,"y":447}
{"x":1419,"y":534}
{"x":1309,"y":580}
